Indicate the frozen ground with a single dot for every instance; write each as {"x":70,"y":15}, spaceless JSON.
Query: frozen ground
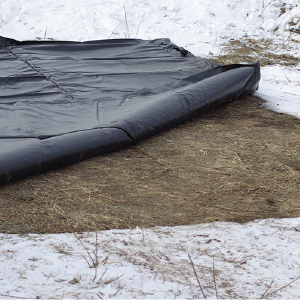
{"x":230,"y":259}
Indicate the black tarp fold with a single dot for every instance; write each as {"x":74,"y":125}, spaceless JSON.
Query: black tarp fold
{"x":61,"y":102}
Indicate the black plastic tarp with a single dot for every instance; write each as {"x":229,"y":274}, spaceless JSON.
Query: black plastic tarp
{"x":61,"y":102}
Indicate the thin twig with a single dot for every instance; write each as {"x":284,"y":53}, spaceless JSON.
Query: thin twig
{"x":117,"y":291}
{"x":95,"y":274}
{"x":167,"y":258}
{"x":96,"y":248}
{"x":196,"y":276}
{"x":214,"y":275}
{"x":140,"y":24}
{"x":99,"y":296}
{"x":98,"y":282}
{"x":264,"y":296}
{"x":96,"y":255}
{"x":85,"y":250}
{"x":104,"y":261}
{"x":269,"y":286}
{"x":87,"y":262}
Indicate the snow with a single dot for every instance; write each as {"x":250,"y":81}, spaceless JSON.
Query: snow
{"x":154,"y":263}
{"x":199,"y":26}
{"x":280,"y":88}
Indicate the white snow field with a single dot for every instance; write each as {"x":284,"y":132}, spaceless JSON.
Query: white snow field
{"x":257,"y":260}
{"x":154,"y":263}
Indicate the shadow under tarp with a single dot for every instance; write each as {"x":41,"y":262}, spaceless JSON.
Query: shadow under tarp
{"x":61,"y":102}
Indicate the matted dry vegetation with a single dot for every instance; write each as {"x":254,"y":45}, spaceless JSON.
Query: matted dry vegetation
{"x":237,"y":163}
{"x":250,"y":50}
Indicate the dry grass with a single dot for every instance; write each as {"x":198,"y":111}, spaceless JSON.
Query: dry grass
{"x":237,"y":163}
{"x":250,"y":50}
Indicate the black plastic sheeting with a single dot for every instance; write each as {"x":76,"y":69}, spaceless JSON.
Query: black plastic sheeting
{"x":61,"y":102}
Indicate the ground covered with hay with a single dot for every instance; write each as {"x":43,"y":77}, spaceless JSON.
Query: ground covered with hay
{"x":237,"y":163}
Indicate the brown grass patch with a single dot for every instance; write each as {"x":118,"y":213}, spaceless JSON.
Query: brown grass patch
{"x":250,"y":50}
{"x":237,"y":163}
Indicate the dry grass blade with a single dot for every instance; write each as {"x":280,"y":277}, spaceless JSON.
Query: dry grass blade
{"x":215,"y":283}
{"x":165,"y":256}
{"x":196,"y":276}
{"x":112,"y":279}
{"x":143,"y":237}
{"x":127,"y":34}
{"x":140,"y":24}
{"x":96,"y":257}
{"x":13,"y":296}
{"x":45,"y":33}
{"x":116,"y":28}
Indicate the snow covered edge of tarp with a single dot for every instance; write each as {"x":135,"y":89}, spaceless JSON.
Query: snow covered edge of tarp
{"x":21,"y":156}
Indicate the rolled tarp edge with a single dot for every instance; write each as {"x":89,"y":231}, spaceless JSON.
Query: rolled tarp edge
{"x":32,"y":156}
